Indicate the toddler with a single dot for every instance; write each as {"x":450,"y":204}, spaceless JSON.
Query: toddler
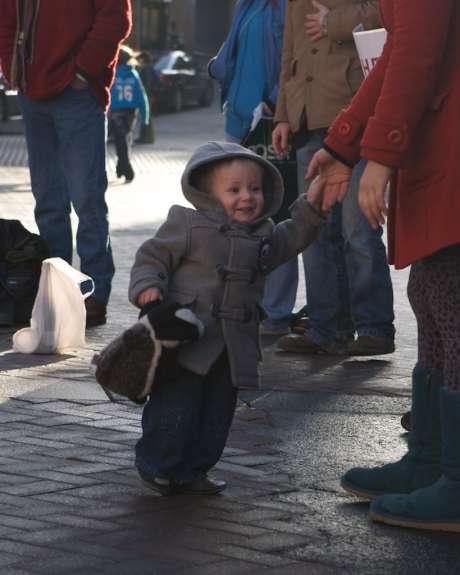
{"x":214,"y":258}
{"x":127,"y":96}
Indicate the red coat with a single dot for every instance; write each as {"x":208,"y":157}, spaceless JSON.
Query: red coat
{"x":75,"y":35}
{"x":407,"y":115}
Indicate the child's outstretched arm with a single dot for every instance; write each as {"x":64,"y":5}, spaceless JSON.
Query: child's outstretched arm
{"x":292,"y":236}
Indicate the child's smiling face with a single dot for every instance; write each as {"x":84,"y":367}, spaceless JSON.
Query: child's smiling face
{"x":238,"y":186}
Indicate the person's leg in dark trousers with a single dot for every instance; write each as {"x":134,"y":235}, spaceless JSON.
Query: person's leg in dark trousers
{"x":217,"y":411}
{"x":52,"y":202}
{"x":185,"y":424}
{"x":170,"y":421}
{"x":121,"y":124}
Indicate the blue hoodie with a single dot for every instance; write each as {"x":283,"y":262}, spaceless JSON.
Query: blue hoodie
{"x":222,"y":67}
{"x":128,"y":92}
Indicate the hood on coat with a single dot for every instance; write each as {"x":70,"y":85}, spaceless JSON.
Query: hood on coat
{"x":215,"y":151}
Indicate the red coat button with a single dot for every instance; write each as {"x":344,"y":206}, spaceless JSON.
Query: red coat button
{"x":344,"y":129}
{"x":395,"y":137}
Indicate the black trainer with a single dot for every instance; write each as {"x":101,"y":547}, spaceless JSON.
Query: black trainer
{"x":158,"y":484}
{"x":202,"y":485}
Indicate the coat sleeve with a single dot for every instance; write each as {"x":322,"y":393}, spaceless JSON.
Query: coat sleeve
{"x":159,"y":256}
{"x":8,"y":25}
{"x":291,"y":236}
{"x":341,"y":21}
{"x":278,"y":30}
{"x":112,"y":24}
{"x":286,"y":67}
{"x":344,"y":135}
{"x":218,"y":67}
{"x":411,"y":76}
{"x":382,"y":118}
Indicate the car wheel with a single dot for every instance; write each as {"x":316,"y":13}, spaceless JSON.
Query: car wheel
{"x":177,"y":101}
{"x":207,"y":96}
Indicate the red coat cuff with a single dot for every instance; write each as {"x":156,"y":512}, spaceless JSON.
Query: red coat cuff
{"x":344,"y":136}
{"x":385,"y":142}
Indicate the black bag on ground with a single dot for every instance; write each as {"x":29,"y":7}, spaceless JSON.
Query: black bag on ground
{"x":260,"y":142}
{"x":21,"y":256}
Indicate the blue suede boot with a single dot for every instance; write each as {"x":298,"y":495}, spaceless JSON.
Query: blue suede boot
{"x":436,"y":507}
{"x":421,"y":464}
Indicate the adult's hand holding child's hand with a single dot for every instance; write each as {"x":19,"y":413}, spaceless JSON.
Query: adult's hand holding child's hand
{"x":335,"y":177}
{"x":149,"y":295}
{"x":315,"y":193}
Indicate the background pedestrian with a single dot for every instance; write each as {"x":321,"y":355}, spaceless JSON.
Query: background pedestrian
{"x":248,"y":67}
{"x":61,"y":56}
{"x":346,"y":273}
{"x":128,"y":97}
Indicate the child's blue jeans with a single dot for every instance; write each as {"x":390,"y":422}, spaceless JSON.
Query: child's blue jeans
{"x":186,"y":422}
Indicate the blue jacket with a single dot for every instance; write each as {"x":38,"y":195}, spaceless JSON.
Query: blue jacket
{"x":221,"y":67}
{"x":128,"y":92}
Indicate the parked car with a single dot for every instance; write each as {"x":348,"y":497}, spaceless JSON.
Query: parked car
{"x":8,"y":101}
{"x":182,"y":80}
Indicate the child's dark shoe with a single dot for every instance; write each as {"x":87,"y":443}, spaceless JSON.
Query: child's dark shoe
{"x":158,"y":484}
{"x":129,"y":173}
{"x":203,"y":485}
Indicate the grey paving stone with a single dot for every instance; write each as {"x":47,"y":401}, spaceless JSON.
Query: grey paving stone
{"x":68,"y":563}
{"x":34,"y":488}
{"x":21,"y":522}
{"x":249,"y":555}
{"x":230,"y":527}
{"x":225,"y":568}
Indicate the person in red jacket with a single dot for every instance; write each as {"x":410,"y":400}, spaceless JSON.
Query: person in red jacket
{"x":61,"y":57}
{"x":405,"y":120}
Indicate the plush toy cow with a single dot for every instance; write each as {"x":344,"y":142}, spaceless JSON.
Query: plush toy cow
{"x":127,"y":365}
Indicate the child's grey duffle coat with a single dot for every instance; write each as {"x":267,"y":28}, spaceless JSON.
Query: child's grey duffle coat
{"x":217,"y":266}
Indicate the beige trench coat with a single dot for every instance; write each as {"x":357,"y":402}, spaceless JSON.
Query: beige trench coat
{"x":318,"y":79}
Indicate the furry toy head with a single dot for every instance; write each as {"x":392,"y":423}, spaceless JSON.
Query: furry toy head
{"x":127,"y":365}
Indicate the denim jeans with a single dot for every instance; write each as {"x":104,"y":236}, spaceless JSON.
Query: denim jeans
{"x":186,"y":422}
{"x":66,"y":146}
{"x":346,"y":269}
{"x":121,"y":123}
{"x":346,"y":272}
{"x":280,"y":294}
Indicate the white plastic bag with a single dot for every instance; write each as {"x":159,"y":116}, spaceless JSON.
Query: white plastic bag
{"x":59,"y":315}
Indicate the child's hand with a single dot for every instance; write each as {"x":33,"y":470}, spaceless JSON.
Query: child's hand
{"x":149,"y":295}
{"x":315,"y":193}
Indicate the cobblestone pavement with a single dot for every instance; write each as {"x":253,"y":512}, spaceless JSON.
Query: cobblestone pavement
{"x":70,"y":499}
